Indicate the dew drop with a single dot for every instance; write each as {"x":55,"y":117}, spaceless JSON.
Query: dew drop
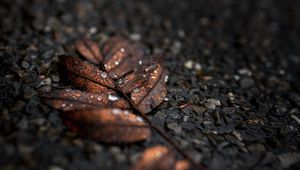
{"x":112,"y":98}
{"x":114,"y":76}
{"x":99,"y":98}
{"x":140,"y":62}
{"x":166,"y":78}
{"x":116,"y":63}
{"x":139,"y":119}
{"x":122,"y":50}
{"x":116,"y":111}
{"x":63,"y":105}
{"x":126,"y":112}
{"x":103,"y":75}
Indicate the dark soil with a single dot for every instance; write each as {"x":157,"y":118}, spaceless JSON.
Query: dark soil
{"x":234,"y":86}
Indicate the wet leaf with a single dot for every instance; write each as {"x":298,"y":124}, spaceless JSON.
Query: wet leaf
{"x":147,"y":88}
{"x":89,"y":50}
{"x":122,"y":56}
{"x":109,"y":125}
{"x":156,"y":158}
{"x":124,"y":76}
{"x":86,"y":84}
{"x":68,"y":99}
{"x":160,"y":158}
{"x":86,"y":70}
{"x":182,"y":165}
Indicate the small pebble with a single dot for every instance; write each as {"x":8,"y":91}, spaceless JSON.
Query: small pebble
{"x":55,"y":78}
{"x":175,"y":127}
{"x":185,"y":118}
{"x":245,"y":71}
{"x":212,"y":103}
{"x":198,"y":66}
{"x":135,"y":36}
{"x":47,"y":81}
{"x":25,"y":65}
{"x":93,"y":30}
{"x":189,"y":64}
{"x":54,"y":167}
{"x":22,"y":124}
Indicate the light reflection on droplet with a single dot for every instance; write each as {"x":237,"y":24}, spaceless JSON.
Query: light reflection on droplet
{"x":112,"y":98}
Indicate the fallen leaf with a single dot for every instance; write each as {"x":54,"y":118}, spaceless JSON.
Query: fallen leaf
{"x":122,"y":56}
{"x":86,"y":70}
{"x":68,"y":99}
{"x":133,"y":80}
{"x":160,"y":158}
{"x":89,"y":50}
{"x":182,"y":165}
{"x":121,"y":80}
{"x":156,"y":158}
{"x":86,"y":84}
{"x":153,"y":91}
{"x":111,"y":125}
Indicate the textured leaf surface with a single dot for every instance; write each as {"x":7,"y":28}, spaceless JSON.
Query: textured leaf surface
{"x":68,"y":99}
{"x":122,"y":56}
{"x":160,"y":158}
{"x":89,"y":50}
{"x":110,"y":125}
{"x":156,"y":158}
{"x":147,"y":87}
{"x":86,"y":70}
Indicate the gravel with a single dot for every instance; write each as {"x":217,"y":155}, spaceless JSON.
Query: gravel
{"x":233,"y":91}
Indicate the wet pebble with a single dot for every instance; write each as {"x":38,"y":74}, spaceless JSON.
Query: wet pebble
{"x":135,"y":36}
{"x":212,"y":103}
{"x":198,"y":109}
{"x":174,"y":127}
{"x":185,"y":118}
{"x":55,"y":167}
{"x":246,"y":83}
{"x":189,"y":64}
{"x":55,"y":78}
{"x":23,"y":124}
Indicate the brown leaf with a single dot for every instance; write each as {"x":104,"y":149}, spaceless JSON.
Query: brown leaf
{"x":89,"y":49}
{"x":156,"y":158}
{"x":68,"y":99}
{"x":122,"y":56}
{"x":86,"y":70}
{"x":147,"y":87}
{"x":131,"y":81}
{"x":182,"y":165}
{"x":86,"y":84}
{"x":109,"y":125}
